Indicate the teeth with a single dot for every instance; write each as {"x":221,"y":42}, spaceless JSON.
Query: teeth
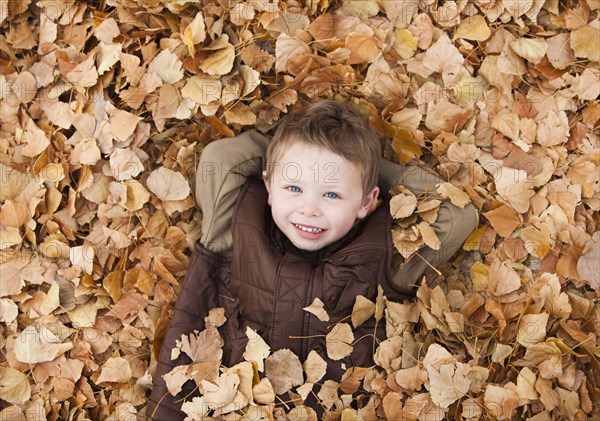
{"x":308,"y":229}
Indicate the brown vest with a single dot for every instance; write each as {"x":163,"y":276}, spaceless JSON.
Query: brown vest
{"x":272,"y":281}
{"x":267,"y":284}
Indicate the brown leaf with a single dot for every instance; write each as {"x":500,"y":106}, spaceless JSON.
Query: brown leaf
{"x":115,"y":370}
{"x":318,"y":309}
{"x":362,"y":311}
{"x":315,"y":367}
{"x":284,"y":370}
{"x":339,"y":341}
{"x":167,"y":184}
{"x":256,"y":349}
{"x":14,"y":386}
{"x":504,"y":220}
{"x":403,"y":204}
{"x":502,"y":279}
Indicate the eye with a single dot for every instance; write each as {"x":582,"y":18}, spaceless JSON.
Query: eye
{"x":332,"y":195}
{"x":294,"y":189}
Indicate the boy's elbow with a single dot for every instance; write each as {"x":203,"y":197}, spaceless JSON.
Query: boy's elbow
{"x":464,"y":221}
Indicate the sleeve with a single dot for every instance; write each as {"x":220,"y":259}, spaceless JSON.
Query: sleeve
{"x":453,"y":225}
{"x":223,"y":169}
{"x":199,"y":293}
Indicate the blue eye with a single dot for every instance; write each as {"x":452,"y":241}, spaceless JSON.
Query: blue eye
{"x":294,"y":189}
{"x":332,"y":195}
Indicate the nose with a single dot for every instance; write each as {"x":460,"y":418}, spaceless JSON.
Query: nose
{"x":309,"y":206}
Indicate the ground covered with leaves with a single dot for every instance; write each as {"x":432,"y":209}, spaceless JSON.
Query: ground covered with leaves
{"x":106,"y":106}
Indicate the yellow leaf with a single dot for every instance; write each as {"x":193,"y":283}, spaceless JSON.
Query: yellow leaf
{"x":531,"y":49}
{"x":479,"y":274}
{"x":202,"y":90}
{"x":405,"y":43}
{"x":362,"y":311}
{"x":240,"y":114}
{"x":473,"y":28}
{"x":194,"y":33}
{"x":405,"y":146}
{"x":220,"y":62}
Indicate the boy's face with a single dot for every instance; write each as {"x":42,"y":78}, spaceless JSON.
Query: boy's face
{"x":316,"y":195}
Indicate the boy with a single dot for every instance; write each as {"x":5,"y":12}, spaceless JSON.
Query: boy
{"x":306,"y":230}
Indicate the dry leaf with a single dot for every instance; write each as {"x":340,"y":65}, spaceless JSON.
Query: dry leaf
{"x":362,"y":311}
{"x":532,"y":329}
{"x":315,"y":367}
{"x":219,"y":62}
{"x":14,"y":386}
{"x":256,"y":349}
{"x":403,"y":204}
{"x":38,"y":344}
{"x":339,"y":341}
{"x":115,"y":370}
{"x":318,"y":309}
{"x":504,"y":220}
{"x":514,"y":186}
{"x":167,"y":184}
{"x":502,"y":279}
{"x":284,"y":370}
{"x":456,"y":196}
{"x":167,"y":66}
{"x":473,"y":28}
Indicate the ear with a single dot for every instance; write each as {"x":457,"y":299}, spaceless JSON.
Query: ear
{"x":267,"y":185}
{"x":367,"y":203}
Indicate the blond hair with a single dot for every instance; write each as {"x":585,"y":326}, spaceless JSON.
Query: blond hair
{"x":337,"y":127}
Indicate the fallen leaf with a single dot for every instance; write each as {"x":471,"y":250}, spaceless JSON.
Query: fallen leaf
{"x":37,"y":344}
{"x":167,"y":66}
{"x":167,"y":184}
{"x":14,"y":386}
{"x":284,"y":370}
{"x":318,"y":309}
{"x":456,"y":196}
{"x":362,"y":311}
{"x":403,"y":204}
{"x":339,"y":341}
{"x":256,"y":349}
{"x":473,"y":28}
{"x":315,"y":367}
{"x":532,"y":329}
{"x":504,"y":220}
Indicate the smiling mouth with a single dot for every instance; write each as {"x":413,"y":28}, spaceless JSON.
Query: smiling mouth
{"x":308,"y":229}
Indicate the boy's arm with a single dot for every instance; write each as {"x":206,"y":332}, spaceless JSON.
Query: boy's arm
{"x":453,"y":225}
{"x":223,"y":169}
